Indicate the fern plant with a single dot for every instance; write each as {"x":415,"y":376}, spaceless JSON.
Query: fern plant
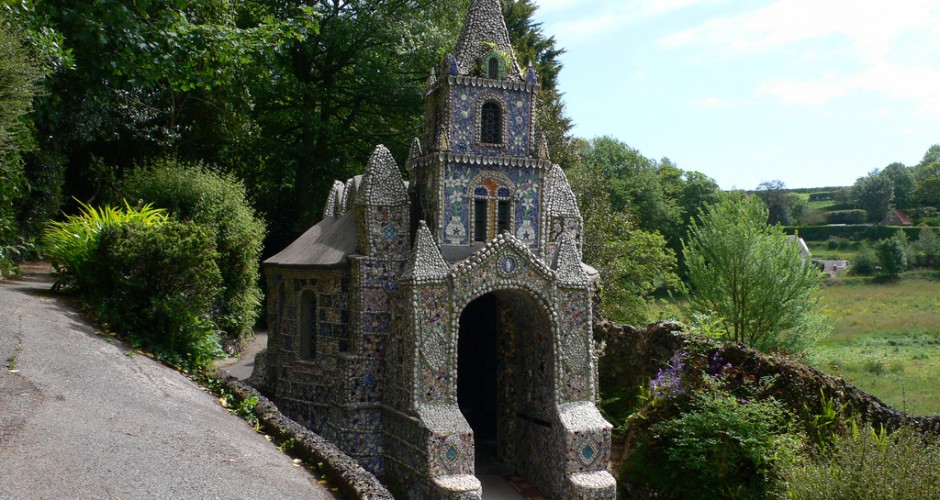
{"x":68,"y":243}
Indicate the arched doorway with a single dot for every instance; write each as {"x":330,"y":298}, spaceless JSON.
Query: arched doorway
{"x":504,"y":376}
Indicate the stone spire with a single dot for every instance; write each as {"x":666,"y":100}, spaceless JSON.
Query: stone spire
{"x":382,"y":183}
{"x":561,"y":200}
{"x":567,"y":262}
{"x":426,"y":262}
{"x":484,"y":29}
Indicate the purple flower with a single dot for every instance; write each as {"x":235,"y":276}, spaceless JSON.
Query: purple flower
{"x":717,"y":364}
{"x":668,"y":381}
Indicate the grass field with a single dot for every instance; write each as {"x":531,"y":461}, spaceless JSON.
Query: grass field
{"x":886,"y":340}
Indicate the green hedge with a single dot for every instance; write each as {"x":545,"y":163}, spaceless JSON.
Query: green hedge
{"x":855,"y":216}
{"x":852,"y":232}
{"x":156,"y":284}
{"x":219,"y":203}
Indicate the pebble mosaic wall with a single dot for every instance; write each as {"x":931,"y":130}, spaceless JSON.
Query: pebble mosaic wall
{"x":382,"y":380}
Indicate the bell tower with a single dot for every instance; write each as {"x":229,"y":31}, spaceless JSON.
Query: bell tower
{"x":480,"y":174}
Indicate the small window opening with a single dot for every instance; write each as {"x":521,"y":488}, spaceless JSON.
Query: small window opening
{"x":479,"y":220}
{"x":308,"y":325}
{"x":491,"y":126}
{"x":502,"y":216}
{"x":493,"y":68}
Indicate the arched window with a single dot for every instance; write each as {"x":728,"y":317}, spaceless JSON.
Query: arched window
{"x":492,"y":195}
{"x":491,"y":123}
{"x":492,"y":69}
{"x":308,"y":324}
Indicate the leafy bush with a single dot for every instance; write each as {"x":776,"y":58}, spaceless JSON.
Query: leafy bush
{"x":855,"y":216}
{"x":706,"y":430}
{"x":866,"y":465}
{"x":156,"y":284}
{"x":217,"y":202}
{"x":893,"y":254}
{"x":725,"y":447}
{"x":866,"y":260}
{"x":20,"y":75}
{"x":69,"y":243}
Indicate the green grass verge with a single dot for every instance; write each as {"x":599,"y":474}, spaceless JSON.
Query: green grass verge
{"x":886,"y":340}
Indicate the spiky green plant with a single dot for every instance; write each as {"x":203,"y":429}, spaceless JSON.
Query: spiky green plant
{"x":68,"y":243}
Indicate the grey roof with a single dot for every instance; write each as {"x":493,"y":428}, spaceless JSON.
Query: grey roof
{"x":561,"y":200}
{"x":326,"y":244}
{"x":484,"y":28}
{"x":426,"y":261}
{"x":382,"y":183}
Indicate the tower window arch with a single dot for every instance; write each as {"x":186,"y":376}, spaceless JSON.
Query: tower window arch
{"x":491,"y":123}
{"x":492,"y":70}
{"x":492,"y":204}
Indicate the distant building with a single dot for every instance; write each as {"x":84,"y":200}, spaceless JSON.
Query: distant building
{"x":896,"y":218}
{"x":804,"y":250}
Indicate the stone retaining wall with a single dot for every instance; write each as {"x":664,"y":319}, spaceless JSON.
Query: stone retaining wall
{"x":634,"y":355}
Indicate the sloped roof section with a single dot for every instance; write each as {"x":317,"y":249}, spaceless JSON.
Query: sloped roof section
{"x":327,"y":244}
{"x":426,"y":262}
{"x":484,"y":30}
{"x":561,"y":200}
{"x":382,"y":183}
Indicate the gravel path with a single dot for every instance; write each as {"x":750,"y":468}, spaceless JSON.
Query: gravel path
{"x":82,"y":417}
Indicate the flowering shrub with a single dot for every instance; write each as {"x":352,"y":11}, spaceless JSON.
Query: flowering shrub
{"x":707,"y":429}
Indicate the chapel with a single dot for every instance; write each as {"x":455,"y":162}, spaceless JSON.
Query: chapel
{"x":429,"y":326}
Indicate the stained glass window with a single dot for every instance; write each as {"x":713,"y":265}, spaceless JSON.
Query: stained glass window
{"x":502,"y":216}
{"x":480,"y":214}
{"x":491,"y":124}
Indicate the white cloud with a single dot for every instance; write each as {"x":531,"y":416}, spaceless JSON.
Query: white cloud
{"x":576,"y":20}
{"x":888,"y":48}
{"x":803,"y":92}
{"x":710,"y":102}
{"x":893,"y":80}
{"x":869,"y":25}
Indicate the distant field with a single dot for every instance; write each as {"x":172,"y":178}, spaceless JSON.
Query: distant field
{"x":820,"y":250}
{"x":886,"y":340}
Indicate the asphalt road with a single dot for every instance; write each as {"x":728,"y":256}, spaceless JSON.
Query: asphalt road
{"x":82,"y":417}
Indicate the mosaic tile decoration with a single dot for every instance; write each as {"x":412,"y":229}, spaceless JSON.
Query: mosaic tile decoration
{"x":382,"y":380}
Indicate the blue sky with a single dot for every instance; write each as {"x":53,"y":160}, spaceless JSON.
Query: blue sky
{"x":810,"y":92}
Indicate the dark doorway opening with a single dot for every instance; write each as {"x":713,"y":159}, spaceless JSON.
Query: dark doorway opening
{"x":477,"y":369}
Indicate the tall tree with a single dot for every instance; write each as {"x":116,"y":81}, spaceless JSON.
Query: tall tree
{"x":874,"y":193}
{"x":902,"y":177}
{"x":659,"y":196}
{"x":892,"y":254}
{"x":331,"y":96}
{"x":932,"y":155}
{"x":633,"y":263}
{"x":926,"y":249}
{"x":774,"y":195}
{"x":928,"y":184}
{"x":170,"y":83}
{"x":751,"y":277}
{"x":20,"y":76}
